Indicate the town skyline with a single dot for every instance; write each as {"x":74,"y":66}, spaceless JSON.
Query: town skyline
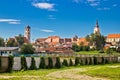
{"x":51,"y":17}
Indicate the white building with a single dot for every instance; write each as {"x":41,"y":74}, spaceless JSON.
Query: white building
{"x":8,"y":50}
{"x":113,"y":38}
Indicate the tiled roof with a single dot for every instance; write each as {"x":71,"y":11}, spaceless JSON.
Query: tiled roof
{"x":113,"y":36}
{"x":53,"y":43}
{"x":83,"y":40}
{"x":53,"y":37}
{"x":8,"y":48}
{"x":41,"y":39}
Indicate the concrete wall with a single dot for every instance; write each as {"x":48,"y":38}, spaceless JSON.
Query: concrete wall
{"x":17,"y":61}
{"x":4,"y":64}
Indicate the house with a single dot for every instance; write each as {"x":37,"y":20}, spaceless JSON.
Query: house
{"x":8,"y":50}
{"x":82,"y":42}
{"x":114,"y":39}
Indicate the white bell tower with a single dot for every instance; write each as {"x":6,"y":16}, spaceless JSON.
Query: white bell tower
{"x":27,"y":33}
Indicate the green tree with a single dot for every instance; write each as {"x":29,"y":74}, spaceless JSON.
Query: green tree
{"x":27,"y":49}
{"x":95,"y":60}
{"x":75,"y":47}
{"x":109,"y":51}
{"x":103,"y":60}
{"x":98,"y":41}
{"x":77,"y":61}
{"x":33,"y":64}
{"x":1,"y":42}
{"x":91,"y":61}
{"x":20,"y":39}
{"x":12,"y":43}
{"x":0,"y":63}
{"x":70,"y":62}
{"x":23,"y":63}
{"x":58,"y":63}
{"x":65,"y":63}
{"x":42,"y":63}
{"x":50,"y":63}
{"x":10,"y":63}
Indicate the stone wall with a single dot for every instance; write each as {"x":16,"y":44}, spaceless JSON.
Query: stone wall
{"x":4,"y":64}
{"x":17,"y":61}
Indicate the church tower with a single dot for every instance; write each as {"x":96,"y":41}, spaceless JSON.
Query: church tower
{"x":96,"y":29}
{"x":27,"y":33}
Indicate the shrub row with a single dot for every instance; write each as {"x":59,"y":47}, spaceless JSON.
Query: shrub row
{"x":94,"y":61}
{"x":58,"y":64}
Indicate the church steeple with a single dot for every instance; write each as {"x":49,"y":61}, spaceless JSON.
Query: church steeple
{"x":27,"y":33}
{"x":97,"y":24}
{"x":96,"y":29}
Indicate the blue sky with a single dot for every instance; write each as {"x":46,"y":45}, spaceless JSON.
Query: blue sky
{"x":64,"y":18}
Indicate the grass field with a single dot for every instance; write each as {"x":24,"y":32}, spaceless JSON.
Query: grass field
{"x":93,"y":72}
{"x":87,"y":52}
{"x":111,"y":72}
{"x":94,"y":52}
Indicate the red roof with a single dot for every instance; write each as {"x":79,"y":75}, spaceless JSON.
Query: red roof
{"x":113,"y":36}
{"x":83,"y":40}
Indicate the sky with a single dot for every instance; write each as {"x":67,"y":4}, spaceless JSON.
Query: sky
{"x":64,"y":18}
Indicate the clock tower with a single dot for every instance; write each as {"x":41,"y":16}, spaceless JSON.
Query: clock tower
{"x":27,"y":33}
{"x":96,"y":29}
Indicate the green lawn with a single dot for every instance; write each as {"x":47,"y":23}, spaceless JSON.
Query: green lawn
{"x":109,"y":71}
{"x":87,"y":52}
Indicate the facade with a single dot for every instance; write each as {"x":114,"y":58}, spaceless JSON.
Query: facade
{"x":97,"y":29}
{"x":27,"y":33}
{"x":8,"y":50}
{"x":82,"y":42}
{"x":113,"y":39}
{"x":54,"y":44}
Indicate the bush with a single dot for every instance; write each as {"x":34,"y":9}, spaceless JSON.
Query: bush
{"x":103,"y":60}
{"x":107,"y":61}
{"x":70,"y":62}
{"x":65,"y":63}
{"x":86,"y":61}
{"x":76,"y":61}
{"x":50,"y":62}
{"x":0,"y":63}
{"x":33,"y":65}
{"x":91,"y":61}
{"x":10,"y":63}
{"x":101,"y":51}
{"x":95,"y":60}
{"x":27,"y":49}
{"x":92,"y":49}
{"x":23,"y":63}
{"x":86,"y":48}
{"x":81,"y":62}
{"x":42,"y":63}
{"x":109,"y":51}
{"x":58,"y":63}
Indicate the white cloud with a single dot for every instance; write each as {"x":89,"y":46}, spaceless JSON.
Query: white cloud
{"x":13,"y":22}
{"x":114,"y":5}
{"x":44,"y":5}
{"x":76,"y":1}
{"x":52,"y":17}
{"x":10,"y":21}
{"x":105,"y":8}
{"x":46,"y":30}
{"x":94,"y":4}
